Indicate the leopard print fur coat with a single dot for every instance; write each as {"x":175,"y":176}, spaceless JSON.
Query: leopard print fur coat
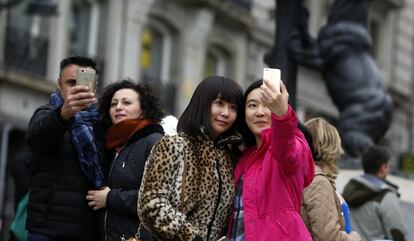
{"x":208,"y":188}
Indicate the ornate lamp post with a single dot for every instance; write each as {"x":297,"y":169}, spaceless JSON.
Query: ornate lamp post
{"x":287,"y":17}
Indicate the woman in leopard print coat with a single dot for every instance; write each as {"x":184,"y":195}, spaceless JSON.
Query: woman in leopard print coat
{"x":187,"y":190}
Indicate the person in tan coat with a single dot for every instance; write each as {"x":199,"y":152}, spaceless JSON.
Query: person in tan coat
{"x":321,"y":205}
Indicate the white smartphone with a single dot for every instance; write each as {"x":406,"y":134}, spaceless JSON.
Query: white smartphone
{"x":272,"y":75}
{"x":86,"y":77}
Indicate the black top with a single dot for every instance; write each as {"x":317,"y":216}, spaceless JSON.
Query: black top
{"x":57,"y":202}
{"x":124,"y":180}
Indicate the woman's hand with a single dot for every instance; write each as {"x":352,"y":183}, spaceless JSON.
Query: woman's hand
{"x":277,"y":102}
{"x":97,"y":198}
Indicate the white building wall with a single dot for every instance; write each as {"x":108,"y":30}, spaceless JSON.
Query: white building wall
{"x":193,"y":53}
{"x":194,"y":29}
{"x":58,"y":41}
{"x":114,"y":39}
{"x":135,"y":19}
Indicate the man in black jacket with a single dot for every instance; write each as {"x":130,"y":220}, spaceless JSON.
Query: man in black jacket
{"x":62,"y":172}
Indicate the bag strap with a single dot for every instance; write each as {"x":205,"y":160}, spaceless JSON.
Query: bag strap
{"x":183,"y":184}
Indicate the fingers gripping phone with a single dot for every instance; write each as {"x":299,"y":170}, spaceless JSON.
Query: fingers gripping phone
{"x":272,"y":75}
{"x":86,"y":77}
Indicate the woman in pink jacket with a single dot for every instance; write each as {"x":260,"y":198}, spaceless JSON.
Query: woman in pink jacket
{"x":274,"y":169}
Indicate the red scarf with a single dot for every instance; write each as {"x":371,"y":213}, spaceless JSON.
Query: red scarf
{"x":118,"y":135}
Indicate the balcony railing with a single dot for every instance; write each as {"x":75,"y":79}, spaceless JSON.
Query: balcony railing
{"x":24,"y":52}
{"x":246,"y":4}
{"x":237,"y":11}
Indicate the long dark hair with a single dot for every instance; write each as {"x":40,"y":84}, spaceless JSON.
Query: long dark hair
{"x":197,"y":114}
{"x":248,"y":136}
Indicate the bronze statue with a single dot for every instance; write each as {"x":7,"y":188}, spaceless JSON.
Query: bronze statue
{"x":354,"y":82}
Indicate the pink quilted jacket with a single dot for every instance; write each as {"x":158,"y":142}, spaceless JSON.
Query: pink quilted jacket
{"x":274,"y":178}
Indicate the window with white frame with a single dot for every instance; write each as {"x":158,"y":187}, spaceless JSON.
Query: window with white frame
{"x":79,"y":27}
{"x":87,"y":30}
{"x":378,"y":26}
{"x":26,"y":42}
{"x":157,"y":47}
{"x":217,"y":61}
{"x":156,"y":51}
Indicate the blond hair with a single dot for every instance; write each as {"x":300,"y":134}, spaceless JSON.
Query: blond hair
{"x":327,"y":144}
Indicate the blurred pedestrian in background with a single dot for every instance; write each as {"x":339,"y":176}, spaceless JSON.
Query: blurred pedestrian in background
{"x":131,"y":114}
{"x":20,"y":172}
{"x":374,"y":202}
{"x":321,"y":205}
{"x":187,"y":190}
{"x":20,"y":167}
{"x":275,"y":168}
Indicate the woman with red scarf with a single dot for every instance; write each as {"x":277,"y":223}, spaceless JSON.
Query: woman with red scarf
{"x":131,"y":114}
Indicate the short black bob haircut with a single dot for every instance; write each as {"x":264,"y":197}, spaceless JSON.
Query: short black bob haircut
{"x":82,"y":61}
{"x":247,"y":134}
{"x":373,"y":157}
{"x":197,"y":114}
{"x":150,"y":101}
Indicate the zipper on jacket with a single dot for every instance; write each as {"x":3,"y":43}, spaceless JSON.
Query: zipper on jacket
{"x":210,"y":225}
{"x":106,"y":215}
{"x":110,"y":171}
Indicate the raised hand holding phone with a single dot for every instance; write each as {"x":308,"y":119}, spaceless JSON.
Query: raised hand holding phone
{"x":274,"y":93}
{"x":272,"y":76}
{"x":80,"y":96}
{"x":86,"y":77}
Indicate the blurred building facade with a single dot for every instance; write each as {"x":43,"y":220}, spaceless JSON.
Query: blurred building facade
{"x":174,"y":44}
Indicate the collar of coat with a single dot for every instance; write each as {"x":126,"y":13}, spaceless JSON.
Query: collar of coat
{"x":234,"y":138}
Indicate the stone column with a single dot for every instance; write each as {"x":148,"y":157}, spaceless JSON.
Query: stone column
{"x":94,"y":29}
{"x":136,"y":18}
{"x":193,"y":51}
{"x":58,"y":40}
{"x":240,"y":58}
{"x":114,"y":37}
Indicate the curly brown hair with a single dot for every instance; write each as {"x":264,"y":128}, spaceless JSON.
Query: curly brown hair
{"x":150,"y":101}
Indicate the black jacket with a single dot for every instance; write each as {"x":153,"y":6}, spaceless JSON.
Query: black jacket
{"x":124,"y":180}
{"x":57,"y":202}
